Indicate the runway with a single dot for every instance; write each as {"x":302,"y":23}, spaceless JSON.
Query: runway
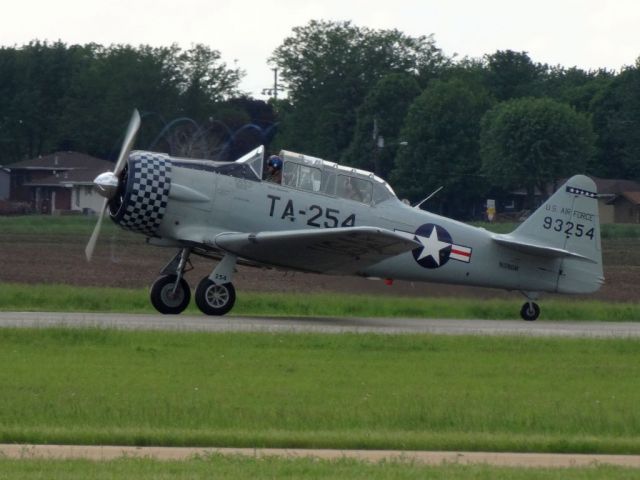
{"x":320,"y":325}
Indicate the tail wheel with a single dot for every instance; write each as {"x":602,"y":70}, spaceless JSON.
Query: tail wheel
{"x":530,"y":311}
{"x":213,"y":299}
{"x":163,"y":297}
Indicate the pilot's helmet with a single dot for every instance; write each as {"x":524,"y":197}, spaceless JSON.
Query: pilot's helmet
{"x":275,"y":162}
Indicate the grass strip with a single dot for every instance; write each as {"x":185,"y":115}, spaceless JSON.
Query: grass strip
{"x":355,"y":391}
{"x":67,"y":298}
{"x":71,"y":225}
{"x":82,"y":224}
{"x":239,"y":468}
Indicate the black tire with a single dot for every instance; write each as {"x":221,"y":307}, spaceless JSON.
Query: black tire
{"x":530,"y":311}
{"x":161,"y":297}
{"x":215,"y":299}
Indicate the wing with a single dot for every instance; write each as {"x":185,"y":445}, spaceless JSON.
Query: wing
{"x":336,"y":250}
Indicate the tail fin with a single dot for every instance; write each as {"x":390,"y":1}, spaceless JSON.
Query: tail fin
{"x":566,"y":226}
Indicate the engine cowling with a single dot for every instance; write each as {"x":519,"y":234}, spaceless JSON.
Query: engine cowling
{"x":145,"y":183}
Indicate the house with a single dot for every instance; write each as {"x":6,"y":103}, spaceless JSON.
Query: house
{"x":4,"y":183}
{"x":619,"y":200}
{"x":61,"y":181}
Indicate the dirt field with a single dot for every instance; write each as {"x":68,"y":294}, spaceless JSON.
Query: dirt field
{"x":123,"y":260}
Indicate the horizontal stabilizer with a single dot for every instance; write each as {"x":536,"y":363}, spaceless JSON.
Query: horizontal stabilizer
{"x":336,"y":250}
{"x":536,"y":249}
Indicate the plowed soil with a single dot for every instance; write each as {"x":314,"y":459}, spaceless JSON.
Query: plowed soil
{"x":124,"y":260}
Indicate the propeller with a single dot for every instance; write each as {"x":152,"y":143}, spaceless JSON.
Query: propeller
{"x":107,"y":183}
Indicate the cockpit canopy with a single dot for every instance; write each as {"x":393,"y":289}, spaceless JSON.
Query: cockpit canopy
{"x":312,"y":174}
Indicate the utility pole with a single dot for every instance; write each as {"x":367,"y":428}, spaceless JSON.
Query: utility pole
{"x":378,"y":145}
{"x":273,"y":92}
{"x":275,"y":84}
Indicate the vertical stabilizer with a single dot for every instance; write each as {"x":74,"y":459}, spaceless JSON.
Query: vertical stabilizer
{"x":569,"y":222}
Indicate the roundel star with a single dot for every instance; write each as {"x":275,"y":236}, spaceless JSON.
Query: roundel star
{"x":436,"y":246}
{"x":431,"y":246}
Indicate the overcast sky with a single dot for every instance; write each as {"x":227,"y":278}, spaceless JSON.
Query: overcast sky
{"x":588,"y":33}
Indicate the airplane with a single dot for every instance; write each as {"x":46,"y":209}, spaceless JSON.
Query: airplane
{"x":327,"y":218}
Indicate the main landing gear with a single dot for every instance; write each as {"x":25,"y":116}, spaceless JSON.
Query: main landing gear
{"x":215,"y":294}
{"x":530,"y":311}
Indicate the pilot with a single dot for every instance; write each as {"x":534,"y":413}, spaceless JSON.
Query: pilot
{"x":351,"y":191}
{"x":274,"y":169}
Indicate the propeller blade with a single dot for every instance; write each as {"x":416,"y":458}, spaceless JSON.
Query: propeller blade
{"x":127,"y":144}
{"x":91,"y":245}
{"x":108,"y":181}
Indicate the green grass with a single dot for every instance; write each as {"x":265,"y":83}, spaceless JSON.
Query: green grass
{"x":328,"y":391}
{"x":50,"y":224}
{"x":622,"y":230}
{"x":83,"y":225}
{"x":16,"y":297}
{"x":238,"y":468}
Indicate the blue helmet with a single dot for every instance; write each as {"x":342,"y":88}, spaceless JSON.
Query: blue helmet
{"x":275,"y":162}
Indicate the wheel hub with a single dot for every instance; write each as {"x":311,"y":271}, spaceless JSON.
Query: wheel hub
{"x":170,"y":297}
{"x":217,"y":296}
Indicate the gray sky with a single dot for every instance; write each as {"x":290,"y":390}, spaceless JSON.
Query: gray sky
{"x":588,"y":33}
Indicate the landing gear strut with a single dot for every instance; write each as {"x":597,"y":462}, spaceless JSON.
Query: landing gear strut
{"x":215,"y":294}
{"x":170,"y":293}
{"x":530,"y":311}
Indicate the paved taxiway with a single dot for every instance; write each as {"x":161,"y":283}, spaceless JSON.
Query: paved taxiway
{"x":109,"y":452}
{"x":321,"y":325}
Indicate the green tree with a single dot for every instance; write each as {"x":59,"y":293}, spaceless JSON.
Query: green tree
{"x":33,"y":82}
{"x":532,"y":143}
{"x":513,"y":74}
{"x":576,"y":87}
{"x":381,"y":115}
{"x":204,"y":80}
{"x":54,"y":96}
{"x":616,"y":118}
{"x":329,"y":67}
{"x":442,"y":129}
{"x":109,"y":83}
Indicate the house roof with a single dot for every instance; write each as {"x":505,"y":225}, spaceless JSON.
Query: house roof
{"x":66,"y":168}
{"x":78,"y":176}
{"x":631,"y":197}
{"x":63,"y":161}
{"x":615,"y":186}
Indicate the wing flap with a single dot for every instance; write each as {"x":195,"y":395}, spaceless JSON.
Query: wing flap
{"x":335,"y":251}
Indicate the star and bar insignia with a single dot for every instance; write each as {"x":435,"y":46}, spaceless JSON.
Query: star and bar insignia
{"x":437,"y":246}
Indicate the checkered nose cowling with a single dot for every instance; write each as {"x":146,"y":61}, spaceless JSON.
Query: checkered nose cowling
{"x":147,"y":181}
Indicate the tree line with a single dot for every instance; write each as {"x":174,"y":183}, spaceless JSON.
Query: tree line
{"x":374,"y":99}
